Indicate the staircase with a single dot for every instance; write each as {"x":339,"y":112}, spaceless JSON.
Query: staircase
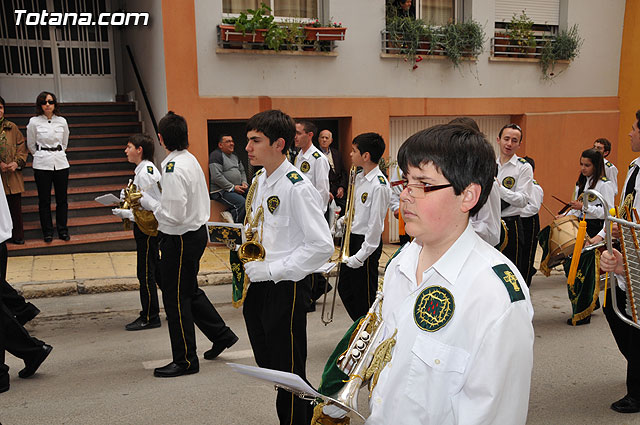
{"x":98,"y":134}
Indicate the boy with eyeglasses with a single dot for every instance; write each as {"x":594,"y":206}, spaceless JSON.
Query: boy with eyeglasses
{"x":515,"y":177}
{"x":358,"y":281}
{"x":456,"y":312}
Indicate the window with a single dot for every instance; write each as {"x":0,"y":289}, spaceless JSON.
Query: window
{"x":433,"y":12}
{"x":280,"y":8}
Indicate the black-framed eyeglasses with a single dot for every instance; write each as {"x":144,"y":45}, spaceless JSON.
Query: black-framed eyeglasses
{"x":419,"y":190}
{"x":48,"y":102}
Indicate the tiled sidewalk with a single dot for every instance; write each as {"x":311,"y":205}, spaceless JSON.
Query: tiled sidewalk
{"x":54,"y":275}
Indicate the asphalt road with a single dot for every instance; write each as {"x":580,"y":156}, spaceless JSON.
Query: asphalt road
{"x":100,"y":374}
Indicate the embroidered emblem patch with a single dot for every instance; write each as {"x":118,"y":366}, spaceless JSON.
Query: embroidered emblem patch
{"x":316,"y":155}
{"x":382,"y":180}
{"x":508,"y":182}
{"x":364,"y":197}
{"x":604,"y":179}
{"x":510,"y":282}
{"x":170,"y":166}
{"x":591,"y":197}
{"x":305,"y":167}
{"x":149,"y":169}
{"x":433,"y":309}
{"x":294,"y":177}
{"x":608,"y":164}
{"x":272,"y":203}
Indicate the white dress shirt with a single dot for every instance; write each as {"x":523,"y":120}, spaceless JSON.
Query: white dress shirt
{"x":516,"y":180}
{"x":184,"y":204}
{"x":535,"y":201}
{"x":611,"y":172}
{"x":474,"y":369}
{"x":45,"y":133}
{"x":147,"y":179}
{"x":371,"y":199}
{"x":6,"y":224}
{"x":395,"y":175}
{"x":486,"y":222}
{"x":315,"y":167}
{"x":595,"y":209}
{"x":294,"y":233}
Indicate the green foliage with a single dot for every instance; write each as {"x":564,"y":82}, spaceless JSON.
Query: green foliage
{"x":462,"y":39}
{"x":520,"y":31}
{"x":566,"y":46}
{"x":406,"y":34}
{"x":290,"y":34}
{"x":260,"y":19}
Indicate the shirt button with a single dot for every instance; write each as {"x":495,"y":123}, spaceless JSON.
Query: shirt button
{"x":437,"y":361}
{"x":378,"y":400}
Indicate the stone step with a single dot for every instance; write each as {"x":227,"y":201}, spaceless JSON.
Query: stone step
{"x":81,"y":117}
{"x":121,"y":240}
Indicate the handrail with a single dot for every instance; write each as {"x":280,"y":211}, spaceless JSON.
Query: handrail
{"x":142,"y":89}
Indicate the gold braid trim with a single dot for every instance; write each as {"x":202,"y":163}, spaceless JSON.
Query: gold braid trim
{"x":381,"y":357}
{"x":596,"y":292}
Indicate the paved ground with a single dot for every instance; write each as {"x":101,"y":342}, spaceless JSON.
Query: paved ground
{"x":100,"y":374}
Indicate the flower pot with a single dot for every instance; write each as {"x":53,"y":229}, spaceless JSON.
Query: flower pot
{"x":324,"y":33}
{"x":228,"y":33}
{"x":500,"y":43}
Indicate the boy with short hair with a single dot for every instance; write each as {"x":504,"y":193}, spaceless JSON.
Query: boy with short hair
{"x":139,"y":151}
{"x":358,"y":281}
{"x":456,"y":312}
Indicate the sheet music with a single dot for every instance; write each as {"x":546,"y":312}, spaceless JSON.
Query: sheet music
{"x":108,"y":199}
{"x":283,"y":379}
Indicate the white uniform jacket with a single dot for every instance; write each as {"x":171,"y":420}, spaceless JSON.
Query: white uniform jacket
{"x":371,"y":199}
{"x":294,"y":233}
{"x":486,"y":222}
{"x":516,"y":180}
{"x":50,"y":134}
{"x":611,"y":172}
{"x":464,"y":343}
{"x":395,"y":175}
{"x":6,"y":224}
{"x":596,"y":210}
{"x":184,"y":204}
{"x":315,"y":167}
{"x":147,"y":179}
{"x":535,"y":202}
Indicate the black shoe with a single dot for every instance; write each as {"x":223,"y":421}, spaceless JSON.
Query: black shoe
{"x":626,"y":404}
{"x":64,"y":236}
{"x":140,"y":324}
{"x":584,"y":321}
{"x":219,"y":347}
{"x":17,"y":241}
{"x":28,"y":314}
{"x":48,"y":239}
{"x":33,"y":365}
{"x":4,"y":383}
{"x":172,"y":370}
{"x":312,"y":307}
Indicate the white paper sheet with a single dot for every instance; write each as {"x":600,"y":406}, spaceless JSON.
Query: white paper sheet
{"x":286,"y":380}
{"x":109,"y":199}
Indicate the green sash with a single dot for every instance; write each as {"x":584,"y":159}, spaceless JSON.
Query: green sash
{"x":584,"y":292}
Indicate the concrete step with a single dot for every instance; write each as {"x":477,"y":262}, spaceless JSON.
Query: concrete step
{"x":74,"y":107}
{"x":100,"y":128}
{"x":97,"y":164}
{"x":90,"y":178}
{"x":75,"y":209}
{"x":78,"y":225}
{"x":121,"y":240}
{"x":75,"y":194}
{"x":21,"y":120}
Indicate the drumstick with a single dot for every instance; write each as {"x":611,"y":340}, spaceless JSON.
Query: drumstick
{"x":577,"y":250}
{"x":548,"y":210}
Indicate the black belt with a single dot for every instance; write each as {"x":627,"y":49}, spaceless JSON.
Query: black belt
{"x":41,"y":148}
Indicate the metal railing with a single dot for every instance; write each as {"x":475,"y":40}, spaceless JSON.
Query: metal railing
{"x":504,"y":46}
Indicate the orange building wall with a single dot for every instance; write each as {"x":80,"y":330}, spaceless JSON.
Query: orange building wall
{"x":556,"y":129}
{"x":629,"y":85}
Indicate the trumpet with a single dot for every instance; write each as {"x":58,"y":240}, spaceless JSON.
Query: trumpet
{"x":145,"y":220}
{"x":252,"y":249}
{"x":327,"y":316}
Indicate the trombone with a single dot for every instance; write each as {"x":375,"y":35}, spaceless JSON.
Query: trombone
{"x":327,"y":316}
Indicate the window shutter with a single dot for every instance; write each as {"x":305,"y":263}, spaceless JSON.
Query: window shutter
{"x":540,"y":11}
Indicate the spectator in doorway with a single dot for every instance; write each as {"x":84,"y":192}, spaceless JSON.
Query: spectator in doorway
{"x":228,"y":180}
{"x":13,"y":158}
{"x":47,"y":140}
{"x":337,"y":172}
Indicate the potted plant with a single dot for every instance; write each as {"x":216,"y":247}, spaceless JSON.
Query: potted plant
{"x":565,"y":47}
{"x":408,"y":37}
{"x":328,"y":32}
{"x":520,"y":33}
{"x":251,"y":26}
{"x":462,"y":39}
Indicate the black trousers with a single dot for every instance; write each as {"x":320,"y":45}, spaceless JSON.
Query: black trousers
{"x":15,"y":209}
{"x":15,"y":339}
{"x":184,"y":302}
{"x":277,"y":327}
{"x":357,"y":287}
{"x":22,"y":310}
{"x":147,"y":270}
{"x":514,"y":250}
{"x":60,"y":180}
{"x":530,"y":230}
{"x":594,"y":225}
{"x":628,"y":341}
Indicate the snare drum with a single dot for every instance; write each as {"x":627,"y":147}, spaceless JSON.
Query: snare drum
{"x":562,"y":239}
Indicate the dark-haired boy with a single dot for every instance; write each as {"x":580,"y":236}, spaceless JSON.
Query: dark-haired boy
{"x":139,"y":151}
{"x":456,"y":312}
{"x":610,"y":171}
{"x":182,"y":214}
{"x":358,"y":281}
{"x":297,"y":241}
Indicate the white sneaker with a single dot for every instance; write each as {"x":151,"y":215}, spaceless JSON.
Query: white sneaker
{"x":226,"y":216}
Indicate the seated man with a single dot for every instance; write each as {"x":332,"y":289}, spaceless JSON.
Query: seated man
{"x":227,"y":180}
